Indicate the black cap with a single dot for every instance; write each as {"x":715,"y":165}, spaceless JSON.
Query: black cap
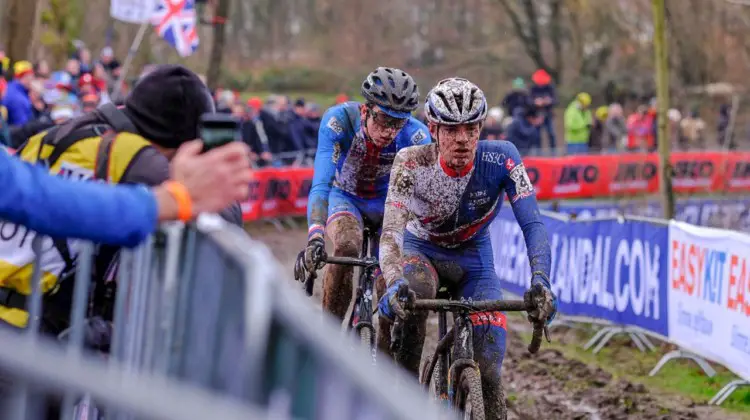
{"x":299,"y":102}
{"x":166,"y":104}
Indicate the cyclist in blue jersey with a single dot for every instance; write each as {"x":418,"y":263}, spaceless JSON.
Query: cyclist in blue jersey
{"x":357,"y":144}
{"x":441,"y":200}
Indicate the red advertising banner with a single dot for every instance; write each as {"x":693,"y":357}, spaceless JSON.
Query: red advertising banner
{"x":283,"y":191}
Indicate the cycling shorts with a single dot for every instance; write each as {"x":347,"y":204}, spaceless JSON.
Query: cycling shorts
{"x":367,"y":211}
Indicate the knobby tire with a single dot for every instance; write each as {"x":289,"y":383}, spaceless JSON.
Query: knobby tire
{"x":470,"y":395}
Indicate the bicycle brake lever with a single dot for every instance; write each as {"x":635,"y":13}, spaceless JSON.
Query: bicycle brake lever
{"x":546,"y":334}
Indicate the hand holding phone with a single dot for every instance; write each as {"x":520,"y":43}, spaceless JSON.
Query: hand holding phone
{"x":216,"y":130}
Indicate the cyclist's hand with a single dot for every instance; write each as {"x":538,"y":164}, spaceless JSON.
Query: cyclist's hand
{"x":540,"y":296}
{"x":315,"y":254}
{"x":391,"y":304}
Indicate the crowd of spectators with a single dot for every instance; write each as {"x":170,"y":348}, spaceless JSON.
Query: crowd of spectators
{"x":278,"y":131}
{"x":37,"y":98}
{"x":527,"y":113}
{"x":283,"y":132}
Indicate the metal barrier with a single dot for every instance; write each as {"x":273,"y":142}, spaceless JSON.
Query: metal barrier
{"x":203,"y":315}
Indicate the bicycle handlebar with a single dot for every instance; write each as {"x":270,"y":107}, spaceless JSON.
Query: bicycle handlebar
{"x":540,"y":329}
{"x":359,"y":262}
{"x":476,"y":306}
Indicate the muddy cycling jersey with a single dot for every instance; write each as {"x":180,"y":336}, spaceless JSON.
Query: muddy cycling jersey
{"x":452,"y":210}
{"x":353,"y":166}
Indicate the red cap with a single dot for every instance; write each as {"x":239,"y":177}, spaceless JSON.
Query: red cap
{"x":255,"y":103}
{"x":541,"y":77}
{"x":341,"y":98}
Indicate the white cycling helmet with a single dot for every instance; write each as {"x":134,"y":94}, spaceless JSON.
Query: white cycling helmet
{"x":455,"y":101}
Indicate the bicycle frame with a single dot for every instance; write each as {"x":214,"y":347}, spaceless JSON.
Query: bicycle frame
{"x":361,"y":315}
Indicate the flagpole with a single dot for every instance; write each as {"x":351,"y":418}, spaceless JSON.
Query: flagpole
{"x":129,"y":59}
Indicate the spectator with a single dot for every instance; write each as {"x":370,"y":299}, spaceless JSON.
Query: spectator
{"x":4,"y":133}
{"x":61,"y":114}
{"x":16,"y":100}
{"x":723,"y":125}
{"x":73,"y":68}
{"x":254,"y":135}
{"x":89,"y":102}
{"x":42,"y":70}
{"x":108,"y":61}
{"x":492,"y":129}
{"x":640,"y":129}
{"x":36,"y":97}
{"x":578,"y":122}
{"x":299,"y":127}
{"x":524,"y":131}
{"x":4,"y":62}
{"x":518,"y":97}
{"x":616,"y":131}
{"x":225,"y":101}
{"x":692,"y":129}
{"x":274,"y":119}
{"x":544,"y":96}
{"x":84,"y":58}
{"x":597,"y":137}
{"x":341,"y":98}
{"x":314,"y":116}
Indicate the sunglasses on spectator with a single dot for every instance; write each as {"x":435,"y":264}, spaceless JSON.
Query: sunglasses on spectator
{"x":384,"y":120}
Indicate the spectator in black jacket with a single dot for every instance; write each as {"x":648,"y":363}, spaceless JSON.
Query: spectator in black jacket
{"x":313,"y":115}
{"x":253,"y":133}
{"x":544,"y":96}
{"x":518,"y":97}
{"x":524,"y":131}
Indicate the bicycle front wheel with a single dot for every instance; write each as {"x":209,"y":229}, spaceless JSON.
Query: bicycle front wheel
{"x":469,"y":398}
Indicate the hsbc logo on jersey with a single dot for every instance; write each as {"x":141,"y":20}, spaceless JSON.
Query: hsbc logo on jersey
{"x":520,"y":178}
{"x":509,"y":164}
{"x":493,"y":157}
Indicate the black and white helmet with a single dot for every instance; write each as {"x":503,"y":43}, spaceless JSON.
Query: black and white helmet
{"x":392,"y":89}
{"x":455,"y":101}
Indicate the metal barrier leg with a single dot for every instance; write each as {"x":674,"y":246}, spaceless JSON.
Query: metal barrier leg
{"x":727,"y":391}
{"x":637,"y":341}
{"x":682,"y":354}
{"x":599,"y":334}
{"x":613,"y":331}
{"x":644,"y":338}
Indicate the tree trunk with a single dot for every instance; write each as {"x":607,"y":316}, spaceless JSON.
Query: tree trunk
{"x":21,"y":15}
{"x":217,"y":50}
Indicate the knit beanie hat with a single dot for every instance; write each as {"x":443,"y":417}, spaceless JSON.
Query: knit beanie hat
{"x":166,"y":104}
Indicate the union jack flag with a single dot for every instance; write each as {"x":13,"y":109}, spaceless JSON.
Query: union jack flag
{"x":175,"y":23}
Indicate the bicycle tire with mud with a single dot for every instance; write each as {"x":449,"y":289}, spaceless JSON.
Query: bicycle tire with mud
{"x":470,"y":395}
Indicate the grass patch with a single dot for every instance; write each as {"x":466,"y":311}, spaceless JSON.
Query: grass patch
{"x":621,"y":359}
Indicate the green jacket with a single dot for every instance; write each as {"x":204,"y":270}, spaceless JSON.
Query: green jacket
{"x":578,"y":124}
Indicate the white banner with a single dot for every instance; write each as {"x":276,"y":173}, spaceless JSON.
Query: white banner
{"x":132,"y":11}
{"x":709,"y":294}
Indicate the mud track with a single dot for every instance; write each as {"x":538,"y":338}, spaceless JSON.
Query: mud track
{"x":547,"y":385}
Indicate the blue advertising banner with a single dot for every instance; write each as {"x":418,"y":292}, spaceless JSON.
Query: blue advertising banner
{"x":600,"y":269}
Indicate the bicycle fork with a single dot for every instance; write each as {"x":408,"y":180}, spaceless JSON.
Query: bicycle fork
{"x":463,"y":352}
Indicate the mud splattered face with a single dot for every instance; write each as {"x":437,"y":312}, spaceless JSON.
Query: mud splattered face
{"x":457,"y":143}
{"x":380,"y":127}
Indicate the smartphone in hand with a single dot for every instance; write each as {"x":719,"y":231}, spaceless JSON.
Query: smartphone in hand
{"x":216,"y":130}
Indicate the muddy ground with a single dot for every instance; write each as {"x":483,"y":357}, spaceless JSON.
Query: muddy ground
{"x":548,"y":385}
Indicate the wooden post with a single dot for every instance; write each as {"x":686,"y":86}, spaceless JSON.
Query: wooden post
{"x":217,"y":50}
{"x":662,"y":97}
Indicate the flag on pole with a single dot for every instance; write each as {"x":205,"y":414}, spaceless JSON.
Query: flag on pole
{"x":175,"y":22}
{"x":132,"y":11}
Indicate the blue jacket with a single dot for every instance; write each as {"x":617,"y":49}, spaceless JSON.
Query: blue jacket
{"x":546,"y":90}
{"x":18,"y":104}
{"x":116,"y":215}
{"x":523,"y":134}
